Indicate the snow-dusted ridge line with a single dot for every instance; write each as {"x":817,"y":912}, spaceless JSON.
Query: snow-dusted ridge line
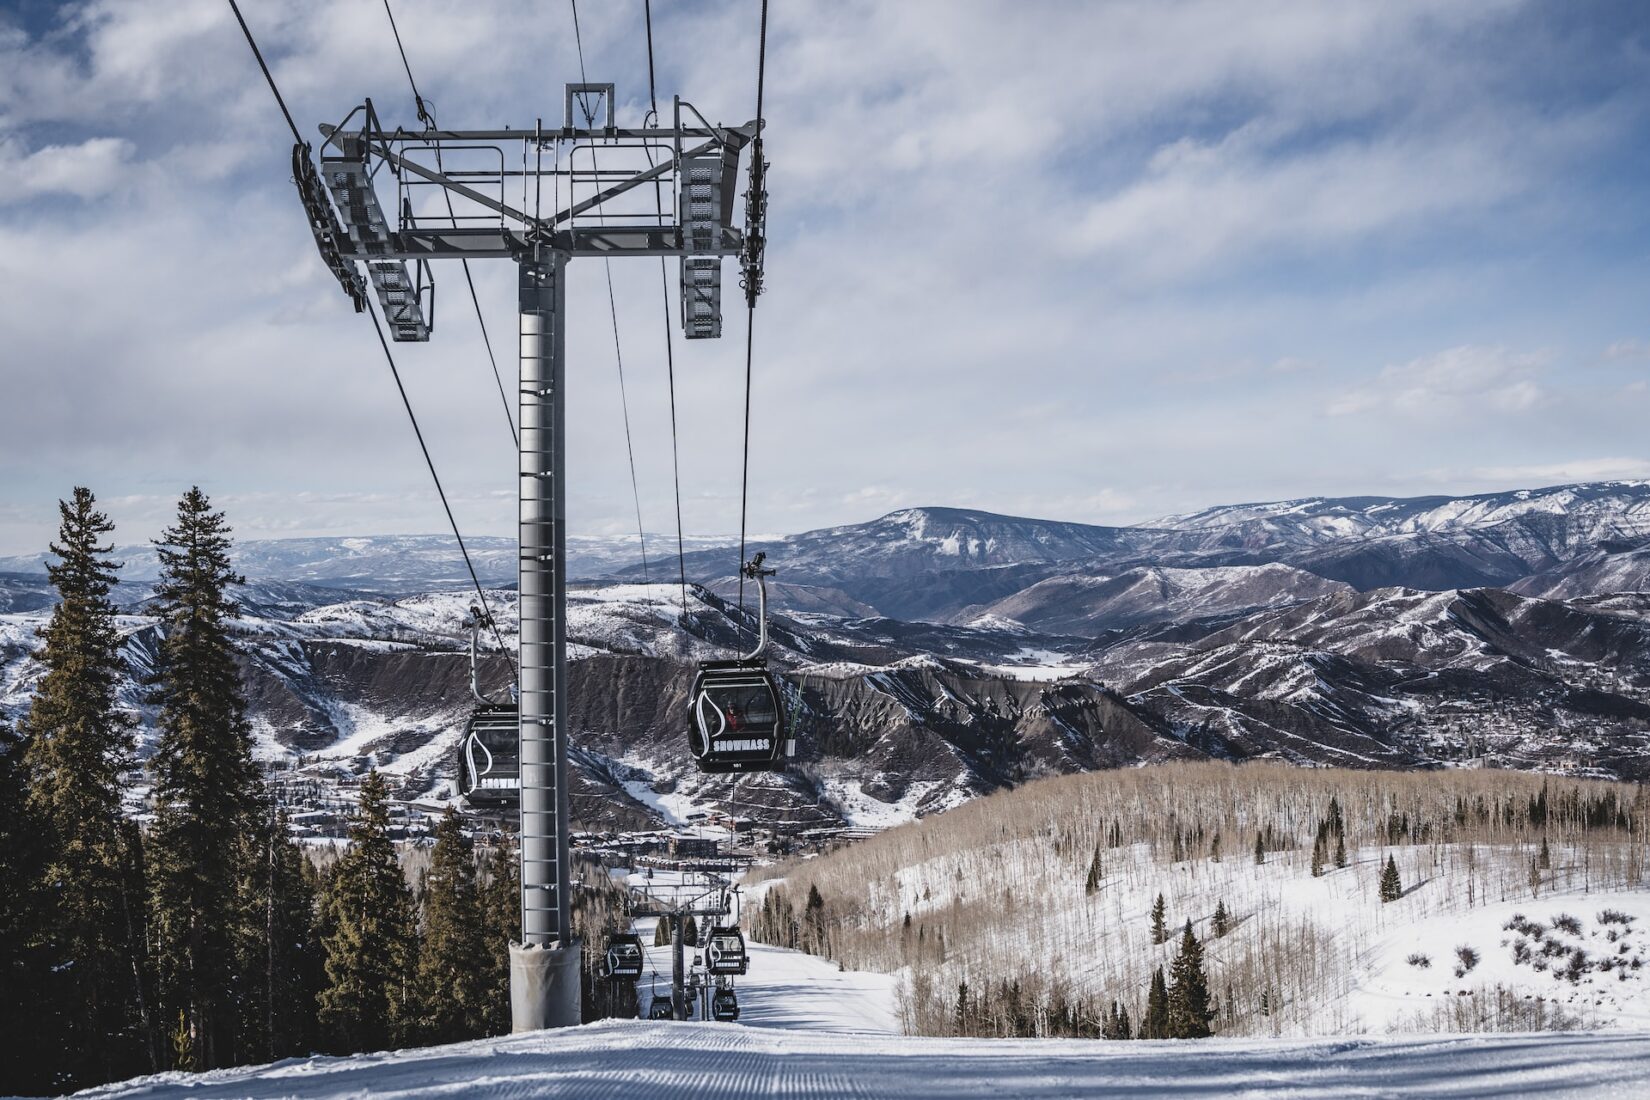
{"x":675,"y":1061}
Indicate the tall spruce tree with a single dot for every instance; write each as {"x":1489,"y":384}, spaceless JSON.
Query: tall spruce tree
{"x":1221,"y":922}
{"x":1090,"y":887}
{"x":209,"y":802}
{"x":1189,"y":1008}
{"x":1155,"y":1024}
{"x":1340,"y":846}
{"x":370,"y":950}
{"x":1160,"y":927}
{"x":453,"y":960}
{"x":92,"y":1016}
{"x":1392,"y":887}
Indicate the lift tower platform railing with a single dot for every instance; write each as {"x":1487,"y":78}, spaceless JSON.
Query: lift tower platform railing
{"x":605,"y":186}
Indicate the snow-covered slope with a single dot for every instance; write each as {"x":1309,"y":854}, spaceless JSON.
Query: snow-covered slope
{"x":1089,"y":604}
{"x":1617,"y":506}
{"x":689,"y":1061}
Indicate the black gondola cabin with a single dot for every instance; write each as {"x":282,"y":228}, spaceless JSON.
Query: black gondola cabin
{"x":724,"y":1006}
{"x":736,"y":718}
{"x":624,"y":956}
{"x":489,"y":758}
{"x":726,"y":952}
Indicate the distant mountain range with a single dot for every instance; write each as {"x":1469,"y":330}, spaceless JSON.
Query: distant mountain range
{"x":951,"y":564}
{"x":935,"y":654}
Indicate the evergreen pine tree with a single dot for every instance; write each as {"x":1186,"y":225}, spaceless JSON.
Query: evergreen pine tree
{"x":1221,"y":922}
{"x":813,"y":917}
{"x":1155,"y":1024}
{"x":369,"y":951}
{"x":1214,"y":849}
{"x":277,"y":954}
{"x":24,"y":1066}
{"x":1090,"y":887}
{"x":1317,"y":856}
{"x":1392,"y":887}
{"x":501,"y":906}
{"x":452,"y":961}
{"x":964,"y":1016}
{"x":1116,"y":1024}
{"x":92,"y":1014}
{"x":1337,"y":824}
{"x":1125,"y":1026}
{"x":1546,"y":852}
{"x":1189,"y":1007}
{"x":1340,"y":847}
{"x":208,"y":796}
{"x":1260,"y":851}
{"x":1160,"y":927}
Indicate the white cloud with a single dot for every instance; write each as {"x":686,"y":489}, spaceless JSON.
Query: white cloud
{"x":1559,"y":473}
{"x":87,"y":170}
{"x":1627,"y":351}
{"x":1450,"y":382}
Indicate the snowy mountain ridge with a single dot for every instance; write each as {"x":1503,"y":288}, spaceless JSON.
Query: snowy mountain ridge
{"x":1621,"y":505}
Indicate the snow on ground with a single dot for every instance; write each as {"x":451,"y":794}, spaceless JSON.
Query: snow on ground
{"x":866,"y":811}
{"x":1103,"y":939}
{"x":1034,"y":664}
{"x":1528,"y":949}
{"x":677,"y":1061}
{"x":673,"y":808}
{"x":790,"y":990}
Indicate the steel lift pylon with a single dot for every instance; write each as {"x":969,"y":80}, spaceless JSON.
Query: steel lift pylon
{"x":479,"y":172}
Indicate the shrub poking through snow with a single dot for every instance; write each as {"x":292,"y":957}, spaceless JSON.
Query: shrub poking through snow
{"x":1566,"y":923}
{"x":1466,"y":958}
{"x":1614,"y":916}
{"x":1419,"y":961}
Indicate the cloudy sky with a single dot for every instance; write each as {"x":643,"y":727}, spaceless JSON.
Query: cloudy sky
{"x":1088,"y":261}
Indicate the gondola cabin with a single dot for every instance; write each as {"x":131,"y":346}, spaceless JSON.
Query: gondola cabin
{"x":659,"y":1009}
{"x":736,"y":718}
{"x":724,"y":1006}
{"x":489,"y":758}
{"x":725,"y":953}
{"x":624,"y":957}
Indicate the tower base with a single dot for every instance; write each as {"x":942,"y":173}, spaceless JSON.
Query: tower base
{"x":544,"y":986}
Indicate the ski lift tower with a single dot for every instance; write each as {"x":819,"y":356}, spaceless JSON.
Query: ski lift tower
{"x":396,"y":201}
